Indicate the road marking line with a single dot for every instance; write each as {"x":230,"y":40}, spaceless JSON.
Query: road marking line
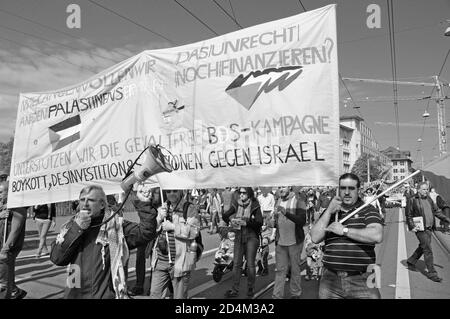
{"x":402,"y":289}
{"x":209,"y":251}
{"x":264,"y":290}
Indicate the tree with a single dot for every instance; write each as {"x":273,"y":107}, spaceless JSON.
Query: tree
{"x":360,"y":168}
{"x":6,"y":155}
{"x":416,"y":178}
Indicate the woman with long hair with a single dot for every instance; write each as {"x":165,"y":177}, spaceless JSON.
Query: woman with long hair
{"x":246,"y":218}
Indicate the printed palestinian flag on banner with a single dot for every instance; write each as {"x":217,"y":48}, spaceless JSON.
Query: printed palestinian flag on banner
{"x":438,"y":174}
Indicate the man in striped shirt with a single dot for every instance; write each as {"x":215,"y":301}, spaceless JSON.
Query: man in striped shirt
{"x":350,"y":246}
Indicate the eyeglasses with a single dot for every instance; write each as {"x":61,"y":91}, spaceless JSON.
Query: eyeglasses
{"x":344,"y":188}
{"x":172,"y":191}
{"x":243,"y":193}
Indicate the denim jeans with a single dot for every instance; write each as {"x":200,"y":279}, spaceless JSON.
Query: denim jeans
{"x":214,"y":221}
{"x":7,"y":275}
{"x":424,"y":249}
{"x":287,"y":257}
{"x":340,"y":286}
{"x":43,"y":226}
{"x":248,"y":248}
{"x":162,"y":277}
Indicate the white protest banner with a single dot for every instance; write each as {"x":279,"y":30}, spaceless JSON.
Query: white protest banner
{"x":256,"y":107}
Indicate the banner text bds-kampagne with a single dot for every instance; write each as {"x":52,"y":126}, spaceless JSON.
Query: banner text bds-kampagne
{"x":219,"y":157}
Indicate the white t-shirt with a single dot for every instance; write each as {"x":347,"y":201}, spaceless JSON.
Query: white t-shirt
{"x":266,"y":202}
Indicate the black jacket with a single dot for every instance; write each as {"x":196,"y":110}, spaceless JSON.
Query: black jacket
{"x":80,"y":250}
{"x":414,"y":209}
{"x":253,"y":228}
{"x":15,"y":229}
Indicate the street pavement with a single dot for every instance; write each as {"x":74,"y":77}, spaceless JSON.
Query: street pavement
{"x":43,"y":280}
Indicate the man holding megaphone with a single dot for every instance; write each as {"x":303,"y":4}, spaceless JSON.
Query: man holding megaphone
{"x":97,"y":255}
{"x":96,"y":241}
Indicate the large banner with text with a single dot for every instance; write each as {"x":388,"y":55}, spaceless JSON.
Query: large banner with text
{"x":256,"y":107}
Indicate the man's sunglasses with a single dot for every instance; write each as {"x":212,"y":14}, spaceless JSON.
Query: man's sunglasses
{"x":343,"y":188}
{"x":245,"y":193}
{"x":172,"y":191}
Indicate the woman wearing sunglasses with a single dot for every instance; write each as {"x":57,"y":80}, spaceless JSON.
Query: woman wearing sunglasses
{"x":246,"y":218}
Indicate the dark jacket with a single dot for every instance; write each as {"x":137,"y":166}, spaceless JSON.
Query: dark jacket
{"x":15,"y":229}
{"x":414,"y":209}
{"x":253,"y":228}
{"x":297,"y":216}
{"x":80,"y":250}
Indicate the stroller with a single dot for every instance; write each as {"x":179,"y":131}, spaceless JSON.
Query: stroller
{"x":223,"y":261}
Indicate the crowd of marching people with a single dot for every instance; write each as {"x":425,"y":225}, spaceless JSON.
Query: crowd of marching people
{"x":301,"y":223}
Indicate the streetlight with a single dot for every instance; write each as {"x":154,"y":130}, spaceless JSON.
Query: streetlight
{"x":426,"y":114}
{"x":419,"y":140}
{"x":447,"y":31}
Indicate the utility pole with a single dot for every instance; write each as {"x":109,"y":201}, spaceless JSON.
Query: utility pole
{"x":423,"y":177}
{"x":442,"y":130}
{"x":368,"y":169}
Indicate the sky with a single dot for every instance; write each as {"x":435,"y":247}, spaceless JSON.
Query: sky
{"x":30,"y":63}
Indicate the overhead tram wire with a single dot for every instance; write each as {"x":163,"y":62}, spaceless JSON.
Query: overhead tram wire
{"x":56,"y":30}
{"x":304,"y":9}
{"x":443,"y":64}
{"x":132,"y":21}
{"x":52,"y":56}
{"x":348,"y":92}
{"x":197,"y":18}
{"x":393,"y":66}
{"x":232,"y":10}
{"x":342,"y":80}
{"x":54,"y":42}
{"x":226,"y":12}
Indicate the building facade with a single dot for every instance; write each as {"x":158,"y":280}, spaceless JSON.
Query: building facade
{"x":356,"y":139}
{"x":401,"y":162}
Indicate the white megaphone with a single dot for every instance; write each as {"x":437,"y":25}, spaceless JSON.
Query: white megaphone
{"x":154,"y":163}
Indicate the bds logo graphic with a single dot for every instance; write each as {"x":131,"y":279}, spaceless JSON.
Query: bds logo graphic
{"x":246,"y":89}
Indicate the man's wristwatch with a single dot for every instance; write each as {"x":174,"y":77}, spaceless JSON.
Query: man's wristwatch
{"x":345,"y":231}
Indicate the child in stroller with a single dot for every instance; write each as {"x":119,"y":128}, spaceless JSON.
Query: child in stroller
{"x":262,"y":257}
{"x":224,"y":256}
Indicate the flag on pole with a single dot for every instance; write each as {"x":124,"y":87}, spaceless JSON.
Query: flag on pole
{"x":438,"y":174}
